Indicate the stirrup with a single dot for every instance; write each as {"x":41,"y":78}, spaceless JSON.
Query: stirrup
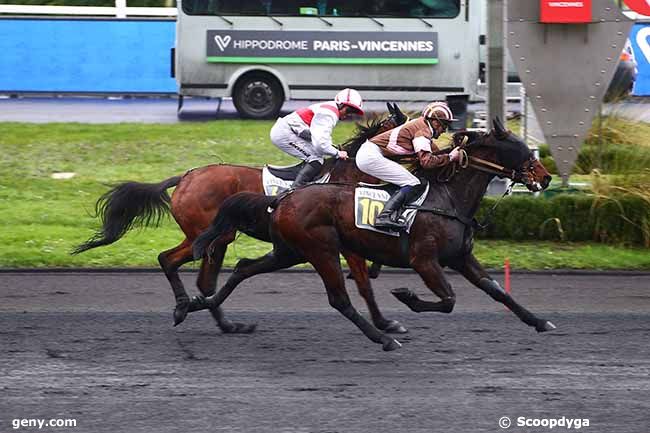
{"x":388,"y":223}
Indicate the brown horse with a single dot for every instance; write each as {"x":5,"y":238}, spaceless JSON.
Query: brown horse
{"x":316,"y":223}
{"x":198,"y":196}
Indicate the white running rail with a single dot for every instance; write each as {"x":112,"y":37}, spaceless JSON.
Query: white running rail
{"x":120,"y":10}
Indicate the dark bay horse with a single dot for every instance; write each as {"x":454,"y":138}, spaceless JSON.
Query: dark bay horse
{"x":196,"y":200}
{"x":316,"y":223}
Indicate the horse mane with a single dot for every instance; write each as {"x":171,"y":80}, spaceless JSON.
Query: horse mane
{"x":362,"y":134}
{"x":472,"y":136}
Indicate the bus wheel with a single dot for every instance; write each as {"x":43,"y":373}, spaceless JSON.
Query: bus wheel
{"x":258,"y":96}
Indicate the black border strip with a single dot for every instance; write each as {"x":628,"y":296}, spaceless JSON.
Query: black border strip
{"x":380,"y":88}
{"x":49,"y":93}
{"x":203,"y":86}
{"x":81,"y":18}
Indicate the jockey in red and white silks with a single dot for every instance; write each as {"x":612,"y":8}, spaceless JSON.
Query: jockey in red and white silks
{"x":307,"y":133}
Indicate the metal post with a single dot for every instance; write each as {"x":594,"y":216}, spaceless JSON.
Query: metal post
{"x":496,"y":70}
{"x":600,"y":137}
{"x":524,"y":114}
{"x":120,"y":5}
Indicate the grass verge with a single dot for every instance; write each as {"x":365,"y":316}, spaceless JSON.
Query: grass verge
{"x":43,"y":218}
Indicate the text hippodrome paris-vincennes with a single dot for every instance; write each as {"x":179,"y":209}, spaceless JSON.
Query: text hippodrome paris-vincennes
{"x":255,"y":44}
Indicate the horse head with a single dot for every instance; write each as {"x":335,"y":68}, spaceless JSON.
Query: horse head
{"x":504,"y":154}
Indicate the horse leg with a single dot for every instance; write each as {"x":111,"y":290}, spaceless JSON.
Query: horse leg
{"x":373,"y":273}
{"x":207,"y":284}
{"x":359,"y":271}
{"x":328,"y":267}
{"x":433,"y":276}
{"x":247,"y":268}
{"x":471,"y":269}
{"x":170,"y":261}
{"x":375,"y":268}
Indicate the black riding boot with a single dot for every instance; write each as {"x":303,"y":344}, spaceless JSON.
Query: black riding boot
{"x":307,"y":173}
{"x":389,"y":218}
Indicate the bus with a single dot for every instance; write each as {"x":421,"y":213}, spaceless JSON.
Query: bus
{"x":265,"y":52}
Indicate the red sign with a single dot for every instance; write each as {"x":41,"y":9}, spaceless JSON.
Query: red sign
{"x":566,"y":11}
{"x":640,"y":6}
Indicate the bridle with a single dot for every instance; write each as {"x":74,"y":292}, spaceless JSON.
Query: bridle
{"x":524,"y":174}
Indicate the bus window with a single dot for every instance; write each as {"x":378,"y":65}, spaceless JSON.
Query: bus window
{"x":342,"y":8}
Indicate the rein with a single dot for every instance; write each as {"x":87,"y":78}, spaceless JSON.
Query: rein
{"x":491,"y":168}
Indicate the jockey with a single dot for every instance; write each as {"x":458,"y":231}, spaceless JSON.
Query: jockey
{"x":307,"y":133}
{"x":415,"y":137}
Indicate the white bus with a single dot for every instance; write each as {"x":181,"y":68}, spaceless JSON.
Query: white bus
{"x":264,"y":52}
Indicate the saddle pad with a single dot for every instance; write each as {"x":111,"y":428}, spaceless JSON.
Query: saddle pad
{"x":369,"y":202}
{"x":274,"y":185}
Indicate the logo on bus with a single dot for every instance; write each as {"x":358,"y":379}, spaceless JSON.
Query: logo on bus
{"x":323,"y":47}
{"x":222,"y":41}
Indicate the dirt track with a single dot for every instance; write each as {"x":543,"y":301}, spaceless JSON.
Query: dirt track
{"x":100,"y":348}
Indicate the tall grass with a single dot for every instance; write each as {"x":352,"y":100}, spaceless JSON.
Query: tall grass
{"x":611,"y":189}
{"x":614,"y":146}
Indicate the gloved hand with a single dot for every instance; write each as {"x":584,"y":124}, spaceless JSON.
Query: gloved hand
{"x":454,"y":155}
{"x":342,"y":154}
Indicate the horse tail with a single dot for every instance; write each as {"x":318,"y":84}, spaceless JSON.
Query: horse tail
{"x":245,"y":211}
{"x":129,"y":205}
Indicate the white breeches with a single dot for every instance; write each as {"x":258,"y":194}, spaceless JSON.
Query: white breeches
{"x":370,"y":160}
{"x":287,"y":141}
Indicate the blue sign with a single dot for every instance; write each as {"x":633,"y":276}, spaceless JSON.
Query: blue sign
{"x":640,"y":40}
{"x":86,"y":56}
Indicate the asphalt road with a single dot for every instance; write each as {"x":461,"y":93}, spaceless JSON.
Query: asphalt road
{"x":145,"y":110}
{"x":100,"y":348}
{"x":163,"y":109}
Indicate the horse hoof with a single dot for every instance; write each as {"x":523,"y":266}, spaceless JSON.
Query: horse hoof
{"x":394,"y":327}
{"x":180,"y":313}
{"x":545,"y":326}
{"x":402,"y":291}
{"x":391,"y":345}
{"x":405,"y":296}
{"x":239,"y":328}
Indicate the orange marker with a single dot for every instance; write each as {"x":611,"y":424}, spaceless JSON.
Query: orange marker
{"x":506,"y":275}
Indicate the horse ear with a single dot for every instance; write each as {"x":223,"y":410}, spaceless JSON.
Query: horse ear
{"x":399,"y":115}
{"x":391,"y":110}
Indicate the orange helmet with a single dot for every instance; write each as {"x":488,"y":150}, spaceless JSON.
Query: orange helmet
{"x":438,"y":111}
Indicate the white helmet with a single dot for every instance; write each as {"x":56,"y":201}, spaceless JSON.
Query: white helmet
{"x":351,"y":98}
{"x":438,"y":111}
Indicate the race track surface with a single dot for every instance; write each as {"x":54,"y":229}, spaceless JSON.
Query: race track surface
{"x":100,"y":348}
